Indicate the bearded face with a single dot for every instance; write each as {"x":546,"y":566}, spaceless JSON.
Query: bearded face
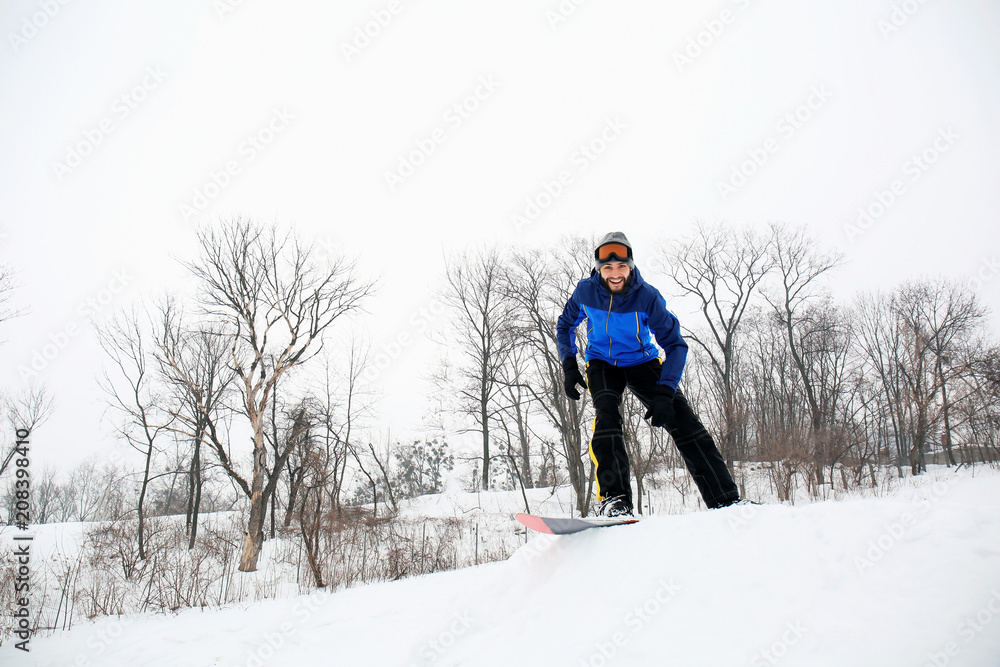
{"x":614,"y":276}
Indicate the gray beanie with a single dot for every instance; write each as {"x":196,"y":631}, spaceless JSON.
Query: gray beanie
{"x":617,"y":238}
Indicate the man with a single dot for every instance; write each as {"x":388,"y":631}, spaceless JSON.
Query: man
{"x":622,"y":310}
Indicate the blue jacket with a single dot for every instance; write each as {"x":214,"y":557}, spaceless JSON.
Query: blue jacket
{"x":619,"y":326}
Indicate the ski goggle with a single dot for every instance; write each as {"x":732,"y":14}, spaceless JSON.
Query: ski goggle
{"x":610,"y":251}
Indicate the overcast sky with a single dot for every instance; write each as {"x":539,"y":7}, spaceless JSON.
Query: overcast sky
{"x":399,"y":132}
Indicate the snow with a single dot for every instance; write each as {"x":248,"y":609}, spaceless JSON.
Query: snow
{"x":908,"y":579}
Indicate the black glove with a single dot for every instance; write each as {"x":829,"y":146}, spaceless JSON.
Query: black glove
{"x":661,"y":412}
{"x":573,"y":378}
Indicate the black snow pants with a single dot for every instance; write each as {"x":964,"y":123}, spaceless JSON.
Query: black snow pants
{"x":607,"y":385}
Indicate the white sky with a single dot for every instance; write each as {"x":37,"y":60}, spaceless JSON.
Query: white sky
{"x":200,"y":78}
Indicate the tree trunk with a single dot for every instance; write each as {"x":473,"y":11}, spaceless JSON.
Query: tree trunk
{"x":524,"y":443}
{"x":640,"y":489}
{"x":194,"y":499}
{"x":294,"y":481}
{"x":385,"y":478}
{"x":572,"y":446}
{"x":486,"y":444}
{"x":169,"y":503}
{"x":273,"y":504}
{"x":816,"y":419}
{"x":311,"y":526}
{"x":254,"y":539}
{"x":142,"y":501}
{"x":945,"y":408}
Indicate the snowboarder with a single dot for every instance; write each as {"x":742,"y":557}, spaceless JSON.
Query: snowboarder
{"x":623,"y":310}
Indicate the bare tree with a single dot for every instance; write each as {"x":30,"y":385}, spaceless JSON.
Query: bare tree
{"x":274,"y":303}
{"x":30,"y":408}
{"x":882,"y":341}
{"x":318,"y":469}
{"x":513,"y":417}
{"x":27,"y":410}
{"x":721,"y":268}
{"x":538,"y":288}
{"x":7,"y":286}
{"x":95,"y":493}
{"x":516,"y":403}
{"x":45,"y":496}
{"x":776,"y":411}
{"x":296,"y":468}
{"x":374,"y":463}
{"x":918,"y":340}
{"x":777,"y":400}
{"x":338,"y":405}
{"x":338,"y":413}
{"x":475,"y":295}
{"x":192,"y":363}
{"x":952,"y":316}
{"x":825,"y":347}
{"x":935,"y":316}
{"x":800,"y":265}
{"x":143,"y":420}
{"x":981,"y":406}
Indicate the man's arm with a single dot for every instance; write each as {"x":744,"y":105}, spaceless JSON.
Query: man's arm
{"x":667,"y":331}
{"x":566,"y":326}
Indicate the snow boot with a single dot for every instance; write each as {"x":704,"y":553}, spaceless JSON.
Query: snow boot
{"x":615,"y":506}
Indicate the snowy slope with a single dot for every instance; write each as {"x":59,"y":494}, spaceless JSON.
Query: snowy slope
{"x":913,"y":579}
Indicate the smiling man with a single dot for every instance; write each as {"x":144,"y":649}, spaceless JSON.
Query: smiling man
{"x":624,"y":314}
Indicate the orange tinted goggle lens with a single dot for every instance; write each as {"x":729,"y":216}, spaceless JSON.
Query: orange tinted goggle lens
{"x":608,"y":249}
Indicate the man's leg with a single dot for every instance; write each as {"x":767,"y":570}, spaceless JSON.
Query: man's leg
{"x":607,"y":446}
{"x":695,"y":443}
{"x":702,"y":457}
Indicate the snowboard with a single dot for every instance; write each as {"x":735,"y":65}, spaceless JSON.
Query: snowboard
{"x":566,"y":526}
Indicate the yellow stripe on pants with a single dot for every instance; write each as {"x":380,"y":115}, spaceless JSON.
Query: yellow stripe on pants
{"x":597,"y":480}
{"x":593,"y":427}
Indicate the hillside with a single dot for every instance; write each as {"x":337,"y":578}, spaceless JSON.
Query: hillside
{"x":911,"y":579}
